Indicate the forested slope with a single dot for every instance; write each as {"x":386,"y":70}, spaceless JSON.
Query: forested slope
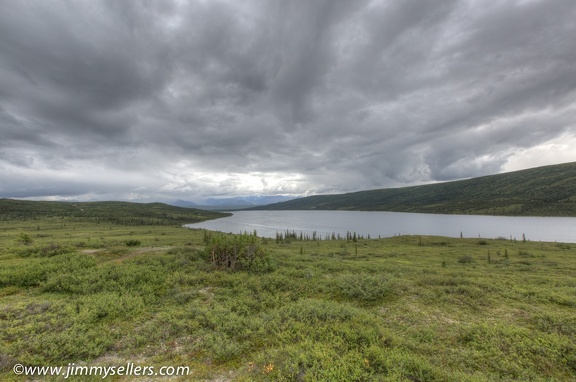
{"x":541,"y":191}
{"x":114,"y":212}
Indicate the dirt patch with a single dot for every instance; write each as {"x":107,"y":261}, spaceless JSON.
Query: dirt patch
{"x":89,"y":251}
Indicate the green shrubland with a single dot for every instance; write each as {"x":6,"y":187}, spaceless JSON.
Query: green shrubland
{"x":396,"y":309}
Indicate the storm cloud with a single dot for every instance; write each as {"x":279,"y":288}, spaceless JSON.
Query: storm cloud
{"x":164,"y":100}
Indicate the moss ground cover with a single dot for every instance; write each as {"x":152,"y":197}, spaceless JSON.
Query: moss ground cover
{"x":397,"y":309}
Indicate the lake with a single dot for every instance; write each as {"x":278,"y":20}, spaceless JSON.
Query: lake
{"x":387,"y":224}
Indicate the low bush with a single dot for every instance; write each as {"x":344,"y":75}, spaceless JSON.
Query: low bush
{"x":48,"y":250}
{"x":364,"y":287}
{"x":238,"y":252}
{"x":35,"y":272}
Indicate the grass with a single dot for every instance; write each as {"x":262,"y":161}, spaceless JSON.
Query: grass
{"x":398,"y":309}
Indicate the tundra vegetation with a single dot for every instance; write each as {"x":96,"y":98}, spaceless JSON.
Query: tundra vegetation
{"x":76,"y":289}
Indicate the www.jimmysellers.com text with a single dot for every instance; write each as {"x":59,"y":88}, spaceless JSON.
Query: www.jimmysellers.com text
{"x":73,"y":370}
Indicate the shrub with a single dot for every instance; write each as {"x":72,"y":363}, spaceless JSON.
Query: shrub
{"x":49,"y":250}
{"x":364,"y":288}
{"x":524,"y":254}
{"x":6,"y":362}
{"x":186,"y":253}
{"x":133,"y":243}
{"x":238,"y":252}
{"x":223,"y":347}
{"x":37,"y":271}
{"x":24,"y":238}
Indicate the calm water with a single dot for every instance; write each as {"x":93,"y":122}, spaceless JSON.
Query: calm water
{"x":386,"y":224}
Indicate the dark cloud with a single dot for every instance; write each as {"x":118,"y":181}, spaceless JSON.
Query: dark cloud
{"x":189,"y":99}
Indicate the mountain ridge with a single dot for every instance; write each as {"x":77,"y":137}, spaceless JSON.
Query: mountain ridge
{"x":540,"y":191}
{"x":231,"y":203}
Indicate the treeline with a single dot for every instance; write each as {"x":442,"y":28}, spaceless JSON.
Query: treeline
{"x":288,"y":236}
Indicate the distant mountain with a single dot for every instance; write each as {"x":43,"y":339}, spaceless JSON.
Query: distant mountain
{"x":541,"y":191}
{"x":238,"y":202}
{"x":184,"y":203}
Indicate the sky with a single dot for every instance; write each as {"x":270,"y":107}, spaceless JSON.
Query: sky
{"x":175,"y":99}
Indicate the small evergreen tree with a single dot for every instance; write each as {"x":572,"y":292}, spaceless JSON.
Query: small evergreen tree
{"x":24,"y":238}
{"x":238,"y":252}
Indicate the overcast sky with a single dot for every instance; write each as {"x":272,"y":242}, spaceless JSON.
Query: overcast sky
{"x":164,"y":100}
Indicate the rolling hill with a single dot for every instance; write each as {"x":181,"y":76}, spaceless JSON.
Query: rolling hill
{"x":113,"y":212}
{"x":540,"y":191}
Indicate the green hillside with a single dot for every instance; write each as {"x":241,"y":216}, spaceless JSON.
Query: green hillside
{"x":541,"y":191}
{"x":112,"y":212}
